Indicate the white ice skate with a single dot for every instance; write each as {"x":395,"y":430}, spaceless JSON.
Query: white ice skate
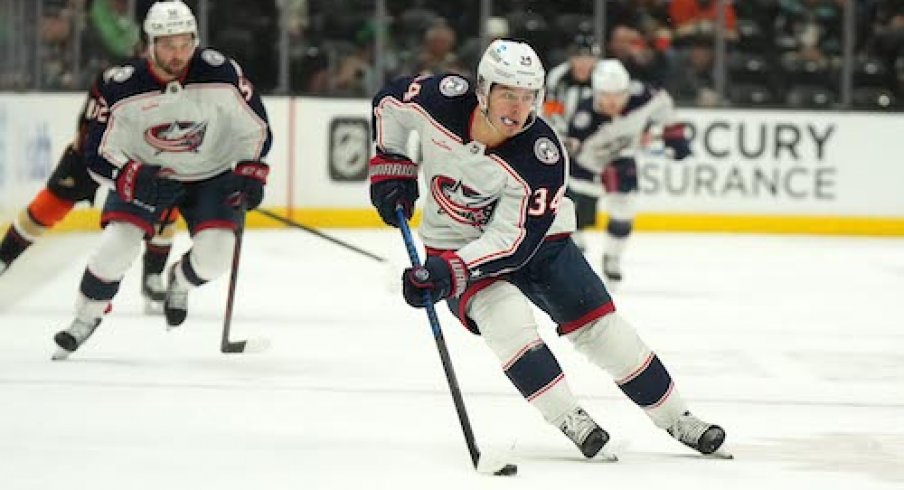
{"x":699,"y":435}
{"x":69,"y":340}
{"x":585,"y":433}
{"x":175,"y":305}
{"x":153,"y":292}
{"x":612,"y":268}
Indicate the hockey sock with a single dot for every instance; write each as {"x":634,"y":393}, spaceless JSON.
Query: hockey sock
{"x":44,"y":211}
{"x":536,"y":374}
{"x":155,"y":257}
{"x":13,"y":245}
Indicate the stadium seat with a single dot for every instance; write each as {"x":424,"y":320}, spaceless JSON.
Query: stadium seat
{"x":810,"y":97}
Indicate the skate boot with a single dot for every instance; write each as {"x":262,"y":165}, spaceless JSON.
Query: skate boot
{"x":584,"y":432}
{"x":697,"y":434}
{"x":612,"y":267}
{"x":152,"y":291}
{"x":175,"y":305}
{"x":70,"y":339}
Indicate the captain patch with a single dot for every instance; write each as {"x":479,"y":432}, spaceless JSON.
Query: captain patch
{"x":453,"y":86}
{"x":546,"y":151}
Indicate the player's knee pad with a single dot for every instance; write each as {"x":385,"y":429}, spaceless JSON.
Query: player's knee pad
{"x":120,"y":244}
{"x":507,"y":324}
{"x":504,"y":318}
{"x":211,"y":252}
{"x":621,"y":206}
{"x":613,"y":344}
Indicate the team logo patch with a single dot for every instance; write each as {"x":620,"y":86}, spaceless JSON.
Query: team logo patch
{"x":546,"y":151}
{"x":176,"y":137}
{"x":119,"y":74}
{"x":453,"y":86}
{"x":581,"y":120}
{"x":462,"y":203}
{"x":213,"y":57}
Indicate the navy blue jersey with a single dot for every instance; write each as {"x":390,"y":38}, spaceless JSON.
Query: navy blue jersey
{"x":197,"y":126}
{"x":495,"y":205}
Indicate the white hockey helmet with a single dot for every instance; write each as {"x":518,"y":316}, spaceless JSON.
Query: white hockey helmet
{"x":511,"y":63}
{"x":169,"y":18}
{"x":610,"y":76}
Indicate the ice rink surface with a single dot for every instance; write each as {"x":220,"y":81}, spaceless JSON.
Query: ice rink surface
{"x":794,"y":344}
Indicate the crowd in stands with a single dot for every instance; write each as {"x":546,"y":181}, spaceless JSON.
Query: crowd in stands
{"x":778,"y":52}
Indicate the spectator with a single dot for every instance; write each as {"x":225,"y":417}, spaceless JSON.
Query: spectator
{"x":355,"y":74}
{"x":438,"y":53}
{"x":810,"y":29}
{"x":693,"y":83}
{"x":692,"y":18}
{"x":642,"y":62}
{"x":115,"y":27}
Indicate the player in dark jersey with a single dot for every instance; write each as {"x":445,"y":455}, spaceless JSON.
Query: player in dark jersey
{"x":605,"y":133}
{"x":182,"y":128}
{"x":69,"y":184}
{"x":496,"y":225}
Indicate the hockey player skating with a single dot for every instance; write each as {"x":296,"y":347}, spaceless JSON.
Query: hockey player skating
{"x":604,"y":135}
{"x":69,"y":184}
{"x":184,"y":129}
{"x":496,"y":225}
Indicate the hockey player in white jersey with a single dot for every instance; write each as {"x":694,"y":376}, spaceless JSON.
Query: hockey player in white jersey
{"x":496,"y":225}
{"x":604,"y":135}
{"x":183,"y":128}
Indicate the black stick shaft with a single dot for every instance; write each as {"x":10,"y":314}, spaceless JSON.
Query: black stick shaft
{"x":314,"y":231}
{"x":225,"y":344}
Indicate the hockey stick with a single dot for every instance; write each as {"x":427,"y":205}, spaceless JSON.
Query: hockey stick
{"x":227,"y":346}
{"x":485,"y":466}
{"x":313,"y":231}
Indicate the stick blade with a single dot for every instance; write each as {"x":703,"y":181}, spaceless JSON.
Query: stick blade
{"x":252,"y":346}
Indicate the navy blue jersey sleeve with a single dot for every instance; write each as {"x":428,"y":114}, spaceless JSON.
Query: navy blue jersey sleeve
{"x":113,"y":84}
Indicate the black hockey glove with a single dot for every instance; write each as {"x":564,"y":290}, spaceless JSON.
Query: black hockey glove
{"x":441,"y":275}
{"x":147,"y":186}
{"x":250,"y":179}
{"x":393,"y":182}
{"x":673,"y":137}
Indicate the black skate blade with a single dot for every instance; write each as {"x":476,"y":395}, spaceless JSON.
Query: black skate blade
{"x":507,"y":470}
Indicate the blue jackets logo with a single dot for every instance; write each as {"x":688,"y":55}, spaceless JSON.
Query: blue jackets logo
{"x":462,"y":203}
{"x":176,"y":137}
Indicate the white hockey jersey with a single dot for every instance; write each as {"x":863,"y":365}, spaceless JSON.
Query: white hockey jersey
{"x":600,"y":139}
{"x":494,"y":206}
{"x":197,"y":126}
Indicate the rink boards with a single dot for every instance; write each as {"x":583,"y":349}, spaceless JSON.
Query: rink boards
{"x":752,"y":171}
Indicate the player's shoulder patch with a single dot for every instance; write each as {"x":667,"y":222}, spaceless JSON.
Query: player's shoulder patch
{"x":118,"y":74}
{"x":547,"y":151}
{"x":453,"y":85}
{"x":213,"y":57}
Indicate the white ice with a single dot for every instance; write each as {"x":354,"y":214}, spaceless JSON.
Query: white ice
{"x":794,"y":344}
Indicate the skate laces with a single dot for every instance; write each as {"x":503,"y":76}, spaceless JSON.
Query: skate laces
{"x":82,"y":329}
{"x":688,"y":429}
{"x":153,"y":283}
{"x":577,"y":425}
